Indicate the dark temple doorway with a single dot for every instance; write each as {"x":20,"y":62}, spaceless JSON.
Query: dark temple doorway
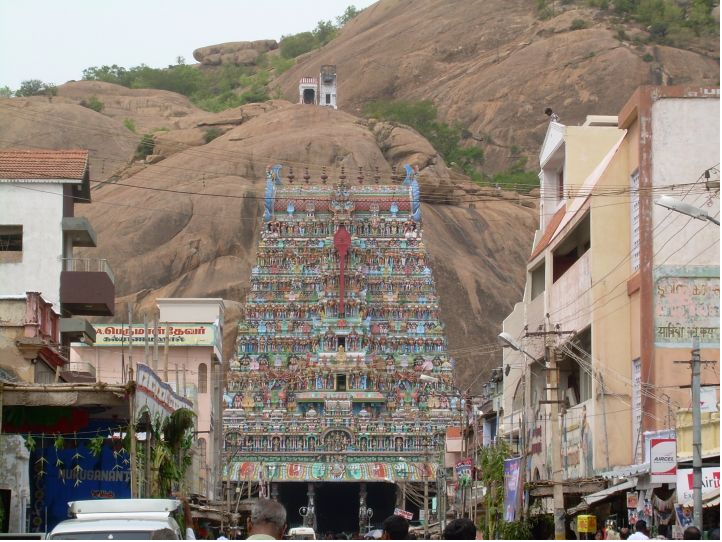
{"x":309,"y":96}
{"x":337,"y":504}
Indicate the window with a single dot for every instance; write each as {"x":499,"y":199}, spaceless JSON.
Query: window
{"x":537,"y":281}
{"x":43,"y":373}
{"x":11,"y":238}
{"x":328,"y":99}
{"x":202,"y":378}
{"x":560,"y":184}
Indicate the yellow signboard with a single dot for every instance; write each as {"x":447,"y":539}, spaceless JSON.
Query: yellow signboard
{"x":586,"y":523}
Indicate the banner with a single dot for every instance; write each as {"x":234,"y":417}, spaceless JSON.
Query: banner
{"x":178,"y":335}
{"x":511,"y":488}
{"x":155,"y":396}
{"x":663,"y":460}
{"x":708,"y":399}
{"x":710,"y":481}
{"x":73,"y":472}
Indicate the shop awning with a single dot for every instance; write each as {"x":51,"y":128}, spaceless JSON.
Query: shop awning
{"x":627,"y":471}
{"x":601,"y":495}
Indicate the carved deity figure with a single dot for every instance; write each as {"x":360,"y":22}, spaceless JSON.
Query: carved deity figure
{"x":341,"y":355}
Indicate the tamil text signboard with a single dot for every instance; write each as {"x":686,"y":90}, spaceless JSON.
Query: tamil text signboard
{"x":178,"y":335}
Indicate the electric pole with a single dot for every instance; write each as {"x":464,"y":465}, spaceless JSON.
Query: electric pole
{"x":552,"y":357}
{"x":696,"y":364}
{"x":557,"y":469}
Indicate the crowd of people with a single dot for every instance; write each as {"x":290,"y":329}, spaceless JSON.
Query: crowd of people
{"x":268,"y":522}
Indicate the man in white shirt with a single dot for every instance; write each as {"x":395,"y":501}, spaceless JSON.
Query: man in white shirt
{"x":640,"y":531}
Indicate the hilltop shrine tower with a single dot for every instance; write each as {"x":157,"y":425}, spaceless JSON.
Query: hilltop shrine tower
{"x":321,"y":91}
{"x":340,"y":393}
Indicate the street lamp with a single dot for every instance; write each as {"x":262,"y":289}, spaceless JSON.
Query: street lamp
{"x":506,"y":340}
{"x":685,"y":208}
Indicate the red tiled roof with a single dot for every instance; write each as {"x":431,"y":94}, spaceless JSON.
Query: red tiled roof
{"x":43,"y":164}
{"x":549,"y":232}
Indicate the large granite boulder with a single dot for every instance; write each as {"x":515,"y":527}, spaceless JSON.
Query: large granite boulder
{"x":240,"y":53}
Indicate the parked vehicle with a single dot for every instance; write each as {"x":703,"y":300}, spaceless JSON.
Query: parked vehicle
{"x":302,"y":533}
{"x":119,"y":519}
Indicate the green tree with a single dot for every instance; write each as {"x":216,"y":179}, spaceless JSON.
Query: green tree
{"x":93,"y":103}
{"x":35,"y":87}
{"x":349,"y":14}
{"x":490,"y":466}
{"x":109,"y":74}
{"x":297,"y":44}
{"x":5,"y":92}
{"x":324,"y":32}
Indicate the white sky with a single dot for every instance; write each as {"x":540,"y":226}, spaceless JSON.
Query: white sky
{"x":55,"y":40}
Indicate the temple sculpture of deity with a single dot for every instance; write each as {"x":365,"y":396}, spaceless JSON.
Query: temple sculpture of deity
{"x":341,"y":374}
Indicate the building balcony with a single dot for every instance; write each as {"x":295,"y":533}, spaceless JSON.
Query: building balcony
{"x":87,"y":287}
{"x":79,"y":230}
{"x":571,"y":295}
{"x":76,"y":330}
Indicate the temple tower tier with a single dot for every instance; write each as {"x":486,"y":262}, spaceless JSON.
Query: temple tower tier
{"x":341,"y":372}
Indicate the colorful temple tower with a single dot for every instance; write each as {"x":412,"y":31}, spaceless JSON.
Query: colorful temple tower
{"x":339,"y":396}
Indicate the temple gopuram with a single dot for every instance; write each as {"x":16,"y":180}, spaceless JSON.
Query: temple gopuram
{"x":340,"y":392}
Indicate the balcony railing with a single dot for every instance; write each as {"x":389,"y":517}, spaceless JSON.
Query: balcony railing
{"x":88,"y":265}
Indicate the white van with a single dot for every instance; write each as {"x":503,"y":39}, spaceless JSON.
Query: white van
{"x":302,"y":533}
{"x":119,"y":519}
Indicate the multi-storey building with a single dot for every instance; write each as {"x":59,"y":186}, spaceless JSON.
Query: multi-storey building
{"x":616,"y":289}
{"x":45,"y":290}
{"x":191,"y":364}
{"x":339,"y":396}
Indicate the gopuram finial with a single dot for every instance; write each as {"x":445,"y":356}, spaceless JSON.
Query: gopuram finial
{"x":342,"y":177}
{"x":290,"y":175}
{"x":394,"y":177}
{"x":324,"y":177}
{"x":377,"y":177}
{"x":306,"y":176}
{"x":360,"y":177}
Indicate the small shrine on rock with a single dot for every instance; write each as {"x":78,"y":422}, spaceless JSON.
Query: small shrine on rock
{"x":341,"y":374}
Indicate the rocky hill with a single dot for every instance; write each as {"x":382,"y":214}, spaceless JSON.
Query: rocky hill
{"x":184,"y":220}
{"x":494,"y":65}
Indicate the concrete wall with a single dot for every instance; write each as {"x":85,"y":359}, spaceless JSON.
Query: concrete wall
{"x":611,"y":317}
{"x":15,"y":476}
{"x":586,"y":146}
{"x":40,"y":212}
{"x":191,"y":310}
{"x":12,"y":318}
{"x":685,"y":143}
